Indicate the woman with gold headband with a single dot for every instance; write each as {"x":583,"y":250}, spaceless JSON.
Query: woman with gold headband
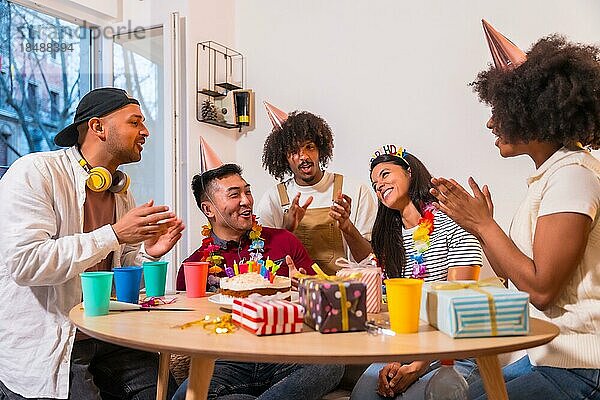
{"x":546,"y":105}
{"x":413,"y":239}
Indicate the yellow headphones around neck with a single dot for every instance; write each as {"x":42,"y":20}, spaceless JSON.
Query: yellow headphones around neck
{"x":100,"y":179}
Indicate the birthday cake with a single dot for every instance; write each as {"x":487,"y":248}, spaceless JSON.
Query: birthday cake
{"x":243,"y":285}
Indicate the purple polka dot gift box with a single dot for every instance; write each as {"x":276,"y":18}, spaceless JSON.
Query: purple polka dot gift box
{"x":334,"y":304}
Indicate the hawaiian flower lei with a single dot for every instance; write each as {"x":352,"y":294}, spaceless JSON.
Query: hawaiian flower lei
{"x":211,"y":253}
{"x":421,"y":239}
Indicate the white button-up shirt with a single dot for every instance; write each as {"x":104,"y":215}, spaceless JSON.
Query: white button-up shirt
{"x":42,"y":251}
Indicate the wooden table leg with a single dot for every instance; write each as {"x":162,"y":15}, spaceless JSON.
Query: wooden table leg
{"x":201,"y":370}
{"x":162,"y":386}
{"x":493,"y":380}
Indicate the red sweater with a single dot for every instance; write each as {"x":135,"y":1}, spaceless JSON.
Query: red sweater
{"x":278,"y":244}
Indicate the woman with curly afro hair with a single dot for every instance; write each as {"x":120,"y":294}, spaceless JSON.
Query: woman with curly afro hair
{"x":548,"y":108}
{"x":330,"y":214}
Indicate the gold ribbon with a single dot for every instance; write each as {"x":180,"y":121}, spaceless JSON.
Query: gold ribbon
{"x":340,"y":280}
{"x":344,"y":307}
{"x":218,"y":325}
{"x":477,"y":286}
{"x":331,"y":278}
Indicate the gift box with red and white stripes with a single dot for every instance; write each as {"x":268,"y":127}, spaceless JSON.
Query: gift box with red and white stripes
{"x":371,"y":277}
{"x":268,"y":317}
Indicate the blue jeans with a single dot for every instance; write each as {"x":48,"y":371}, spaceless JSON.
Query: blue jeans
{"x":240,"y":380}
{"x":104,"y":371}
{"x":527,"y":382}
{"x":366,"y":387}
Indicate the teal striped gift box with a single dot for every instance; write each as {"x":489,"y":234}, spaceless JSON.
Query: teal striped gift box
{"x":465,"y":312}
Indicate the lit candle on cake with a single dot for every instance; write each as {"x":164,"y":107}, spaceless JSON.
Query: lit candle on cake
{"x":275,"y":268}
{"x":243,"y":268}
{"x":270,"y":264}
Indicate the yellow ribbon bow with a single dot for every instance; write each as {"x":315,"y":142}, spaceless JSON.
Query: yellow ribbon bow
{"x":477,"y":286}
{"x":319,"y":274}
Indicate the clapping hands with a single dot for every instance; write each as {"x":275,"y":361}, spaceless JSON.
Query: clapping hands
{"x":469,"y":211}
{"x":295,"y":213}
{"x":156,"y":226}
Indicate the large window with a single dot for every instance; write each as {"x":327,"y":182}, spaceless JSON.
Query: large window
{"x":138,"y":59}
{"x":45,"y":67}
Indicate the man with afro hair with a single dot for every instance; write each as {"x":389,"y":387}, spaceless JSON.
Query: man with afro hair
{"x":314,"y":203}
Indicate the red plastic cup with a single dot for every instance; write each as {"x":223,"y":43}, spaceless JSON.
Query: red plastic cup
{"x":196,"y":274}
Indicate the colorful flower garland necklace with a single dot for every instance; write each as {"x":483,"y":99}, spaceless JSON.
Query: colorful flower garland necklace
{"x":421,"y":239}
{"x":212,"y":252}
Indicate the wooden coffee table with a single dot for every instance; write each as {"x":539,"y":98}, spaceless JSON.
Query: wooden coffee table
{"x":153,"y":331}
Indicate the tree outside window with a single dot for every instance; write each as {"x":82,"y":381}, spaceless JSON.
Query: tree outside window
{"x":45,"y":67}
{"x":54,"y":99}
{"x":32,"y":98}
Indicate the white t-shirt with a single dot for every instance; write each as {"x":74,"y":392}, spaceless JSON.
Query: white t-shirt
{"x":569,"y":181}
{"x":450,"y":246}
{"x":362,"y":212}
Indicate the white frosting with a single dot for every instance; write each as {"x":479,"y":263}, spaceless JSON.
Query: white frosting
{"x":253,"y":280}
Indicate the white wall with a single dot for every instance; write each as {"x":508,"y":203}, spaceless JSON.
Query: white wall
{"x":394,"y":71}
{"x":207,"y":20}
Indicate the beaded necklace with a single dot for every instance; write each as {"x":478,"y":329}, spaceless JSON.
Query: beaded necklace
{"x":421,"y":240}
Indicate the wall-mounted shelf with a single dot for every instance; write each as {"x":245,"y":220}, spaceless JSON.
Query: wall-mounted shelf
{"x":211,"y":93}
{"x":217,"y":123}
{"x":219,"y":72}
{"x":228,"y":86}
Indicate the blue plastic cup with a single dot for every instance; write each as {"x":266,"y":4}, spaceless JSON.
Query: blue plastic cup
{"x":155,"y":278}
{"x":96,"y":288}
{"x":127,"y":283}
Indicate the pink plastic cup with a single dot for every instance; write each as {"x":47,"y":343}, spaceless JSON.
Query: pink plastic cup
{"x":196,"y":274}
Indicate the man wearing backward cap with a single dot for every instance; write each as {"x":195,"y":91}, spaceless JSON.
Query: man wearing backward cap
{"x":65,"y":212}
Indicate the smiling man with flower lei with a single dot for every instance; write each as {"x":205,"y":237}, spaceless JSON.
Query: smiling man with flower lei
{"x":233,"y":234}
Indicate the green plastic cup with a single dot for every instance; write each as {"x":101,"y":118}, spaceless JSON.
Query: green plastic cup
{"x":155,"y":277}
{"x":96,"y":288}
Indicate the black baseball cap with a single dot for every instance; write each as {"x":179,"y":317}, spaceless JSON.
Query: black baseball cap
{"x":96,"y":103}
